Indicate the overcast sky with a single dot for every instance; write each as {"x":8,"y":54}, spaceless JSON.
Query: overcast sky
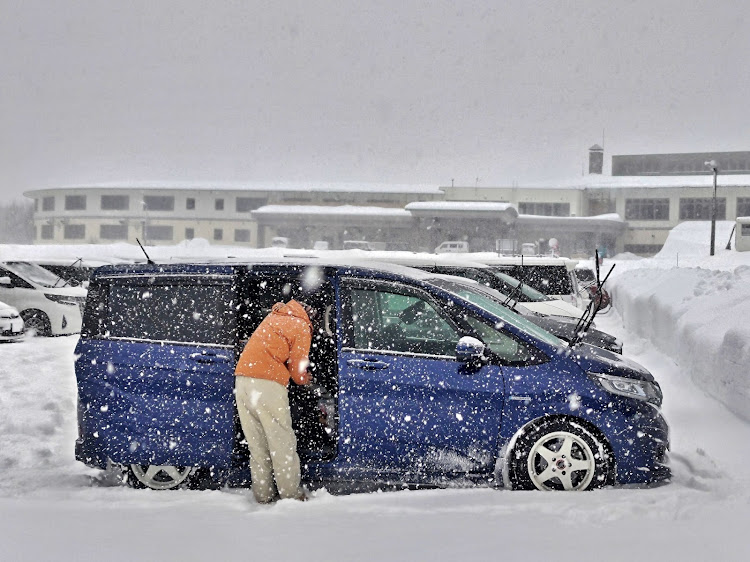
{"x":485,"y":93}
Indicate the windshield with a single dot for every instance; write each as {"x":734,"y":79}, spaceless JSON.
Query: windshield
{"x":477,"y":296}
{"x":35,"y":274}
{"x":525,"y":293}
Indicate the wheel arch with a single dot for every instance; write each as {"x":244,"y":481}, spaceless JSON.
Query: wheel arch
{"x":503,"y":466}
{"x":30,"y":312}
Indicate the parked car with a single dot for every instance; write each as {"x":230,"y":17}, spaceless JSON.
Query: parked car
{"x":487,"y":275}
{"x":564,"y":328}
{"x":552,"y":276}
{"x":452,"y":246}
{"x":11,"y":324}
{"x":75,"y":271}
{"x":416,"y":385}
{"x":47,"y":304}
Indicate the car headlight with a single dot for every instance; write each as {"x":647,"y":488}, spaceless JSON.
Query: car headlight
{"x":62,"y":299}
{"x":632,"y":388}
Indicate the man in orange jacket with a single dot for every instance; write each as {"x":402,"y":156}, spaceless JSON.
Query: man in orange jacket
{"x":275,"y":353}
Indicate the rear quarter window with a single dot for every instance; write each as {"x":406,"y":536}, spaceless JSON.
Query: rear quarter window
{"x":181,"y":311}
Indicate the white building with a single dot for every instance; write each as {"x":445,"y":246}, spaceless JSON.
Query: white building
{"x":594,"y":211}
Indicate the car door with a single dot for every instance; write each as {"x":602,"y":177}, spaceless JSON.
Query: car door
{"x":406,"y":404}
{"x":155,"y":370}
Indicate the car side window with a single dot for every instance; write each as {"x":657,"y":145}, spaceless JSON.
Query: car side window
{"x":389,"y":320}
{"x":509,"y":349}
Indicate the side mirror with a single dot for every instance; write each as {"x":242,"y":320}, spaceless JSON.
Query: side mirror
{"x":5,"y":280}
{"x":469,"y":350}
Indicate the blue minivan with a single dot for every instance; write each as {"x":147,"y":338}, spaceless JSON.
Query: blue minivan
{"x":414,"y":384}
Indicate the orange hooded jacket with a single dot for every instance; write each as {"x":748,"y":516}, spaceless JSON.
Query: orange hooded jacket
{"x":279,"y":347}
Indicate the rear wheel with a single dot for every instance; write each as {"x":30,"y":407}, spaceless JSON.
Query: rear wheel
{"x":558,"y":454}
{"x":158,"y":477}
{"x":37,"y":321}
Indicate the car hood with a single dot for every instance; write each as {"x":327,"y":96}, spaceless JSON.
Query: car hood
{"x":597,"y":360}
{"x":554,"y":308}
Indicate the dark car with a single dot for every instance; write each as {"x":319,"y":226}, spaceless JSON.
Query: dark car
{"x":562,"y":327}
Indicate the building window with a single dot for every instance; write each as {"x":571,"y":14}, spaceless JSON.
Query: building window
{"x":190,"y":203}
{"x":158,"y":203}
{"x":75,"y":202}
{"x":47,"y":232}
{"x":74,"y":231}
{"x":545,"y":209}
{"x":247,"y":204}
{"x":218,"y":234}
{"x":241,"y":235}
{"x":743,"y":206}
{"x":115,"y":202}
{"x":699,"y":208}
{"x":189,"y":233}
{"x":219,"y":204}
{"x":48,"y":204}
{"x":647,"y":210}
{"x":158,"y":232}
{"x":113,"y":231}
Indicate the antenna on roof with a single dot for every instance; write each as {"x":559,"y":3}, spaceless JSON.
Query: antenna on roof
{"x":148,"y":259}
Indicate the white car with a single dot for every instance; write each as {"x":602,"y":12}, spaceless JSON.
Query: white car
{"x":11,"y":323}
{"x":46,"y":302}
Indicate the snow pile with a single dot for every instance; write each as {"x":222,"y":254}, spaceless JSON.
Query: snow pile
{"x":694,"y":314}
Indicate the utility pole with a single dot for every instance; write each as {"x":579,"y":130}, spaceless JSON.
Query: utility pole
{"x":715,"y":169}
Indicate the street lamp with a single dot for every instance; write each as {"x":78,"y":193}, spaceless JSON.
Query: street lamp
{"x":715,"y":169}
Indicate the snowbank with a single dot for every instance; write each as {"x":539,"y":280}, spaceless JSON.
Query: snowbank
{"x":693,"y":307}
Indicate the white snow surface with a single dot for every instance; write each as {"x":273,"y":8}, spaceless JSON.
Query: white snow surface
{"x":686,"y":323}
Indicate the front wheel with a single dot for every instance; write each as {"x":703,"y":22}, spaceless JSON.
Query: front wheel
{"x":37,"y":321}
{"x":558,"y":454}
{"x":157,"y":477}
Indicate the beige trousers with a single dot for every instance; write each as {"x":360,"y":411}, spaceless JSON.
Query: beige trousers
{"x":263,"y":407}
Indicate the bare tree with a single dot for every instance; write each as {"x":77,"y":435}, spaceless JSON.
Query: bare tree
{"x":17,"y":223}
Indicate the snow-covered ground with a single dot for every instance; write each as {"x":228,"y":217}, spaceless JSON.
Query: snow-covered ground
{"x":682,"y":316}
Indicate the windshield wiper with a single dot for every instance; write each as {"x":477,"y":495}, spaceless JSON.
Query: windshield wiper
{"x":587,"y":318}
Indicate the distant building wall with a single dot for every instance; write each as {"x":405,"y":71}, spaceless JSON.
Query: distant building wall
{"x":683,"y":164}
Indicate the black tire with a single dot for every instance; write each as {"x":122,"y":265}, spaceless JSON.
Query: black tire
{"x":38,"y":321}
{"x":558,"y":454}
{"x":158,"y":477}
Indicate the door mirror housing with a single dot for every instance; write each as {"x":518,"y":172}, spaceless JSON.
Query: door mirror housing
{"x":470,"y":350}
{"x":5,"y":280}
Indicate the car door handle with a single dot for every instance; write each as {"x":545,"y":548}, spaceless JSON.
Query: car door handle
{"x":368,"y":364}
{"x":209,"y":358}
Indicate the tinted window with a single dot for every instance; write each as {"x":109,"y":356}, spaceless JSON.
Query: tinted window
{"x":158,"y":202}
{"x":171,"y":311}
{"x":509,"y":349}
{"x":75,"y":202}
{"x":388,"y":320}
{"x":74,"y":231}
{"x":158,"y":232}
{"x":547,"y":279}
{"x":113,"y":231}
{"x":115,"y":202}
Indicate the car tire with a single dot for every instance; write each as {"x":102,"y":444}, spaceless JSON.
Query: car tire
{"x":157,"y":477}
{"x":37,"y":321}
{"x":559,"y":454}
